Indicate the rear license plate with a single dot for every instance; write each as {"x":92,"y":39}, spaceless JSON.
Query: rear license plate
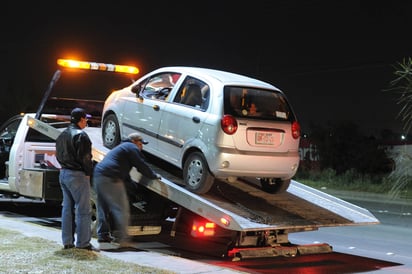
{"x":264,"y":138}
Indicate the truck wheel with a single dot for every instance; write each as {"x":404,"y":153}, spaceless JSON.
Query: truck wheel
{"x":111,"y":131}
{"x":196,"y":174}
{"x":273,"y":185}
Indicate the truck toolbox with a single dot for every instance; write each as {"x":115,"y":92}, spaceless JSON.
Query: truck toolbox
{"x":41,"y":183}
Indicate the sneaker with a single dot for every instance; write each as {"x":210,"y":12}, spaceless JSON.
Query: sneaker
{"x":89,"y":247}
{"x":127,"y":244}
{"x":105,"y":239}
{"x":68,"y":246}
{"x":108,"y":246}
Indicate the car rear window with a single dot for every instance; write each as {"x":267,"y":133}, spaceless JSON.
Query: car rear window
{"x":256,"y":104}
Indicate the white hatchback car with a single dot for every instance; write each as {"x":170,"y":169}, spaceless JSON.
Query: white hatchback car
{"x":210,"y":124}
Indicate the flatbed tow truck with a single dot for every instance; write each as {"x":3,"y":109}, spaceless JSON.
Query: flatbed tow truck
{"x":246,"y":220}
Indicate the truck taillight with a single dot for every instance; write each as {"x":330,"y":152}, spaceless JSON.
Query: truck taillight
{"x":229,"y":124}
{"x":203,"y":229}
{"x":295,"y":130}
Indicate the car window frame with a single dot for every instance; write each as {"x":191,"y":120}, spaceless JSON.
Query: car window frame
{"x":205,"y":91}
{"x":162,"y":92}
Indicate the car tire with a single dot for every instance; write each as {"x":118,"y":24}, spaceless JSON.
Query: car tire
{"x":273,"y":185}
{"x":196,"y":175}
{"x":111,"y":131}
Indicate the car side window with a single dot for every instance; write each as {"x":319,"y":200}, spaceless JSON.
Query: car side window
{"x":194,"y":93}
{"x":158,"y":86}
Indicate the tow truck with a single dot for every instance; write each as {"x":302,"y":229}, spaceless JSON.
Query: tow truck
{"x":247,"y":221}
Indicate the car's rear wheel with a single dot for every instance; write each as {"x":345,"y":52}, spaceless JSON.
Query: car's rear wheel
{"x":196,"y":174}
{"x":111,"y":131}
{"x":273,"y":185}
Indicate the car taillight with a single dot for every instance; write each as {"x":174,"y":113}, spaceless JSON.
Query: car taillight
{"x":295,"y":130}
{"x":228,"y":124}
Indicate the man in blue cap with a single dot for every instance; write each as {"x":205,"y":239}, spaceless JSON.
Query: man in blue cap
{"x":110,"y":178}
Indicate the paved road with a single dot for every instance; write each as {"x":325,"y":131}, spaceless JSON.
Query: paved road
{"x":391,"y":240}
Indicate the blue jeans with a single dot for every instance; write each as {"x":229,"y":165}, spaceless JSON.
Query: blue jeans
{"x":112,"y":202}
{"x":76,"y":212}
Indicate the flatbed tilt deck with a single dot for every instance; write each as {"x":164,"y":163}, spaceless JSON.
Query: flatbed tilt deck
{"x":249,"y":221}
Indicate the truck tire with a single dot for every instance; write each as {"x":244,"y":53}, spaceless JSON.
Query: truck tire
{"x":111,"y":131}
{"x":273,"y":185}
{"x":196,"y":175}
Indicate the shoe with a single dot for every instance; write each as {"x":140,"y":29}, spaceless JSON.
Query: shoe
{"x":108,"y":246}
{"x":68,"y":246}
{"x":124,"y":243}
{"x":127,"y":244}
{"x":105,"y":239}
{"x":89,"y":247}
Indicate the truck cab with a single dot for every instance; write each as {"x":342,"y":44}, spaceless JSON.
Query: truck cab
{"x":28,"y":165}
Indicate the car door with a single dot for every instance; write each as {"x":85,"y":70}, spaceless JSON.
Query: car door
{"x":182,"y":120}
{"x":143,"y":113}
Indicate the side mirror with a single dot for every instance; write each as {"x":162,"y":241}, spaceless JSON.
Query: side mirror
{"x":136,"y":89}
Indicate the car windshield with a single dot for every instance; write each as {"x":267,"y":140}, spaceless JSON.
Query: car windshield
{"x":256,"y":104}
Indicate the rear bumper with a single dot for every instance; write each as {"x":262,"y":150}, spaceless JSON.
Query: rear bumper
{"x":282,"y":166}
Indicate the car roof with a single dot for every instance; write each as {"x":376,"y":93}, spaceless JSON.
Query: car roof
{"x":224,"y":77}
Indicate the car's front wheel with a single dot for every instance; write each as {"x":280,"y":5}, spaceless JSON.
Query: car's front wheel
{"x":273,"y":185}
{"x":111,"y":131}
{"x":196,"y":174}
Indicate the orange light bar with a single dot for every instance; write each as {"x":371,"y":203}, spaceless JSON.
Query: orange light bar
{"x":67,"y":63}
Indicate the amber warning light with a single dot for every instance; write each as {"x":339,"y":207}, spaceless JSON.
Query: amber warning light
{"x":67,"y":63}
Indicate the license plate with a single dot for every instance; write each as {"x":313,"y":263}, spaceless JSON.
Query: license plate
{"x":264,"y":138}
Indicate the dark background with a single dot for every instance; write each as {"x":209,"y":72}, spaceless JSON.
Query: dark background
{"x":333,"y":59}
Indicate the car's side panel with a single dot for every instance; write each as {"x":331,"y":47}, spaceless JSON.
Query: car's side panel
{"x":180,"y":127}
{"x":143,"y":116}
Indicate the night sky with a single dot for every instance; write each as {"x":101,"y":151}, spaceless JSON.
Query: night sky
{"x":331,"y":59}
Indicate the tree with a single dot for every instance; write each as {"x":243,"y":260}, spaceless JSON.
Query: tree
{"x":343,"y":147}
{"x":402,"y":86}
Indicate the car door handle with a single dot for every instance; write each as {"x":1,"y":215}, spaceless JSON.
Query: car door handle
{"x":196,"y":119}
{"x":156,"y":107}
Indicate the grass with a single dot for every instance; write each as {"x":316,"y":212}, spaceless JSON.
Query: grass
{"x":351,"y":181}
{"x":21,"y":254}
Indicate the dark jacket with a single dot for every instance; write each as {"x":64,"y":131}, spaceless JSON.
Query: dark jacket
{"x":119,"y":161}
{"x":74,"y":150}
